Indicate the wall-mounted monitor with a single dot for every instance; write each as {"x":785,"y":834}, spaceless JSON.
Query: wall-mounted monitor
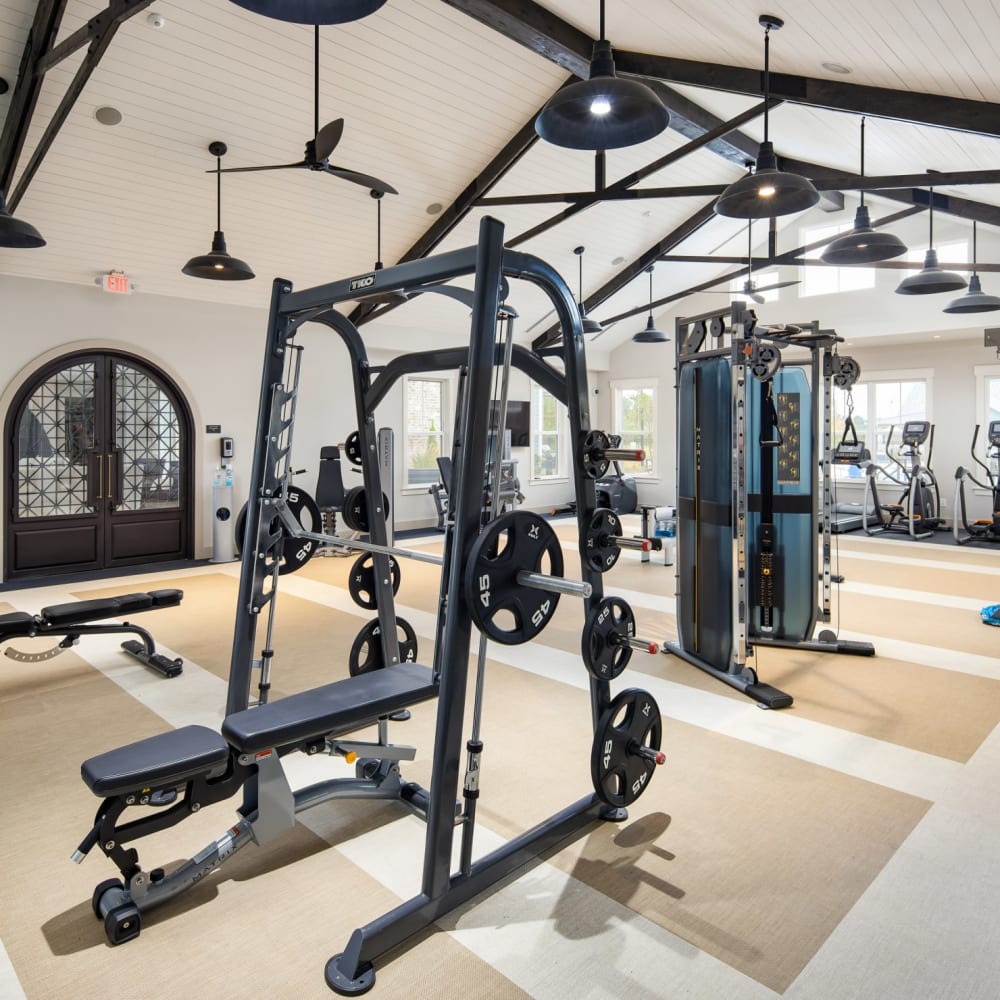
{"x":518,"y":422}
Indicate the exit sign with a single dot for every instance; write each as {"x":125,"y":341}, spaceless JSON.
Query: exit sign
{"x":117,"y":283}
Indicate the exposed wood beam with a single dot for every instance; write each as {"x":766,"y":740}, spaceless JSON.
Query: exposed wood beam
{"x":443,"y":225}
{"x":795,"y":261}
{"x":689,"y":226}
{"x":97,"y":34}
{"x":531,"y":25}
{"x":44,"y":28}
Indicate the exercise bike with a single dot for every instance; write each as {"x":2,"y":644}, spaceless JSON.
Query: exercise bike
{"x":984,"y":529}
{"x":917,"y":511}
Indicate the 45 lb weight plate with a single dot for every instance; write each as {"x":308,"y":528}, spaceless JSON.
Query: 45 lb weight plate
{"x":293,"y":553}
{"x":626,"y":748}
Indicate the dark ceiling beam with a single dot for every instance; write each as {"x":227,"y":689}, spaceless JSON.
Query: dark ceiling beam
{"x":794,"y":261}
{"x":961,"y":114}
{"x":687,"y":228}
{"x":443,"y":225}
{"x":537,"y":29}
{"x":97,"y":34}
{"x":41,"y":35}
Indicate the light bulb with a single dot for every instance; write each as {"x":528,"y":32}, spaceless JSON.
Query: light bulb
{"x":600,"y":106}
{"x":767,"y":191}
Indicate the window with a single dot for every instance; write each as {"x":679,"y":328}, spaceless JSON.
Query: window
{"x":987,"y":404}
{"x":760,"y":279}
{"x":425,"y":422}
{"x":879,"y":405}
{"x":634,"y":419}
{"x":830,"y":280}
{"x":549,"y":433}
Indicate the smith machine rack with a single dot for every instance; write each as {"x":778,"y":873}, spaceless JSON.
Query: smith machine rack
{"x":754,"y":488}
{"x":490,"y":564}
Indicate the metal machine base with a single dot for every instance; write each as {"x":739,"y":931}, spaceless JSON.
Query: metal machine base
{"x":765,"y":695}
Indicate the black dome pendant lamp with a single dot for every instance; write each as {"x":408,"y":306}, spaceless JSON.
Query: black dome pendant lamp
{"x":312,"y":11}
{"x":975,"y":300}
{"x":217,"y":264}
{"x":604,"y":111}
{"x":650,"y":335}
{"x":589,"y":325}
{"x":16,"y":233}
{"x":768,"y":191}
{"x":862,"y":245}
{"x":931,"y":279}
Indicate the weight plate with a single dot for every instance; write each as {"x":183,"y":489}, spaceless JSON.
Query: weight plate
{"x":355,"y":512}
{"x":716,"y":326}
{"x":601,"y":550}
{"x":361,"y":581}
{"x":352,"y":448}
{"x":294,"y":552}
{"x":606,"y":621}
{"x":594,"y":463}
{"x":630,"y":723}
{"x":502,"y":607}
{"x":366,"y":650}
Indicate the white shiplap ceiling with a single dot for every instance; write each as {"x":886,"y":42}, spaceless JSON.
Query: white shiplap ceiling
{"x":429,"y":97}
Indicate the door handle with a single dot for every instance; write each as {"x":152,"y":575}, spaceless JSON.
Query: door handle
{"x":110,"y":492}
{"x":100,"y":477}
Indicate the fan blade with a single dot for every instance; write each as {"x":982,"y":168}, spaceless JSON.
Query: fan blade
{"x":328,"y":137}
{"x":248,"y":170}
{"x":756,"y":297}
{"x":363,"y":179}
{"x":780,"y":284}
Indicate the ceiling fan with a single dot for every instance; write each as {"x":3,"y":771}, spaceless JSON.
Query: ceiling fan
{"x":323,"y":143}
{"x":750,"y":289}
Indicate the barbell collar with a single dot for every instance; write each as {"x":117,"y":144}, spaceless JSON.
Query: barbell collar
{"x":555,"y":584}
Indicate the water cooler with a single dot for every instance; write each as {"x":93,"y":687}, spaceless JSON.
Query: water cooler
{"x":223,"y":516}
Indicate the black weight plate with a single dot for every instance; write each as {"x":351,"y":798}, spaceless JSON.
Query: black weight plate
{"x":716,"y":327}
{"x":603,"y":657}
{"x":294,"y":552}
{"x":361,"y":581}
{"x":366,"y":651}
{"x":594,"y":462}
{"x":352,"y":448}
{"x":619,"y":774}
{"x":355,"y":512}
{"x":503,"y":608}
{"x":694,"y":337}
{"x":602,"y":551}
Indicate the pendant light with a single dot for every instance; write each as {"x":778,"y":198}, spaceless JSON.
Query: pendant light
{"x":768,"y":191}
{"x":312,"y":11}
{"x":16,"y":232}
{"x":974,"y":300}
{"x":604,"y":111}
{"x":931,"y":279}
{"x":862,"y":245}
{"x":217,"y":264}
{"x":650,"y":335}
{"x":589,"y":325}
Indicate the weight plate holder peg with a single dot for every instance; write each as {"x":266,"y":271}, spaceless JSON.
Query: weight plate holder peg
{"x":361,"y":581}
{"x":366,"y":650}
{"x":609,"y":637}
{"x":626,"y":747}
{"x":507,"y":551}
{"x":294,"y":552}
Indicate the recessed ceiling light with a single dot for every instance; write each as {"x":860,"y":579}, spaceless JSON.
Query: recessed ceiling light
{"x":835,"y":67}
{"x":434,"y":207}
{"x":108,"y":115}
{"x":618,"y":260}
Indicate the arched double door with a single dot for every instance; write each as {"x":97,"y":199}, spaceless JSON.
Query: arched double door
{"x":98,"y":467}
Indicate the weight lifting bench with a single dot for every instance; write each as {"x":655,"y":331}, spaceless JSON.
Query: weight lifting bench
{"x":71,"y":621}
{"x":184,"y":770}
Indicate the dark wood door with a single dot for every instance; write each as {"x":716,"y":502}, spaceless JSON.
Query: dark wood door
{"x":99,"y":468}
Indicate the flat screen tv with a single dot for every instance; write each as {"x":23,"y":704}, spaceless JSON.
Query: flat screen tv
{"x":518,"y":422}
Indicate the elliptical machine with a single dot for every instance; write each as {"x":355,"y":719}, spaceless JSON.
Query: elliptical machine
{"x":985,"y":529}
{"x":917,"y":511}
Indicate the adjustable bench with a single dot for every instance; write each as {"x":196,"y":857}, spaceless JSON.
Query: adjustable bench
{"x":186,"y":769}
{"x":70,"y":622}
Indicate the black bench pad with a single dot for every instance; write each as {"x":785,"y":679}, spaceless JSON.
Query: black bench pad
{"x":15,"y":625}
{"x":160,"y":761}
{"x":58,"y":616}
{"x":338,"y":707}
{"x":166,"y":598}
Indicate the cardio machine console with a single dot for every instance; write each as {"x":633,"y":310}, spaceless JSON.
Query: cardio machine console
{"x":916,"y":432}
{"x":994,"y":435}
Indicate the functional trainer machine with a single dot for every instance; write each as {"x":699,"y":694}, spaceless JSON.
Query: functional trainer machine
{"x":917,"y":512}
{"x":750,"y":493}
{"x":985,"y":529}
{"x":492,"y":574}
